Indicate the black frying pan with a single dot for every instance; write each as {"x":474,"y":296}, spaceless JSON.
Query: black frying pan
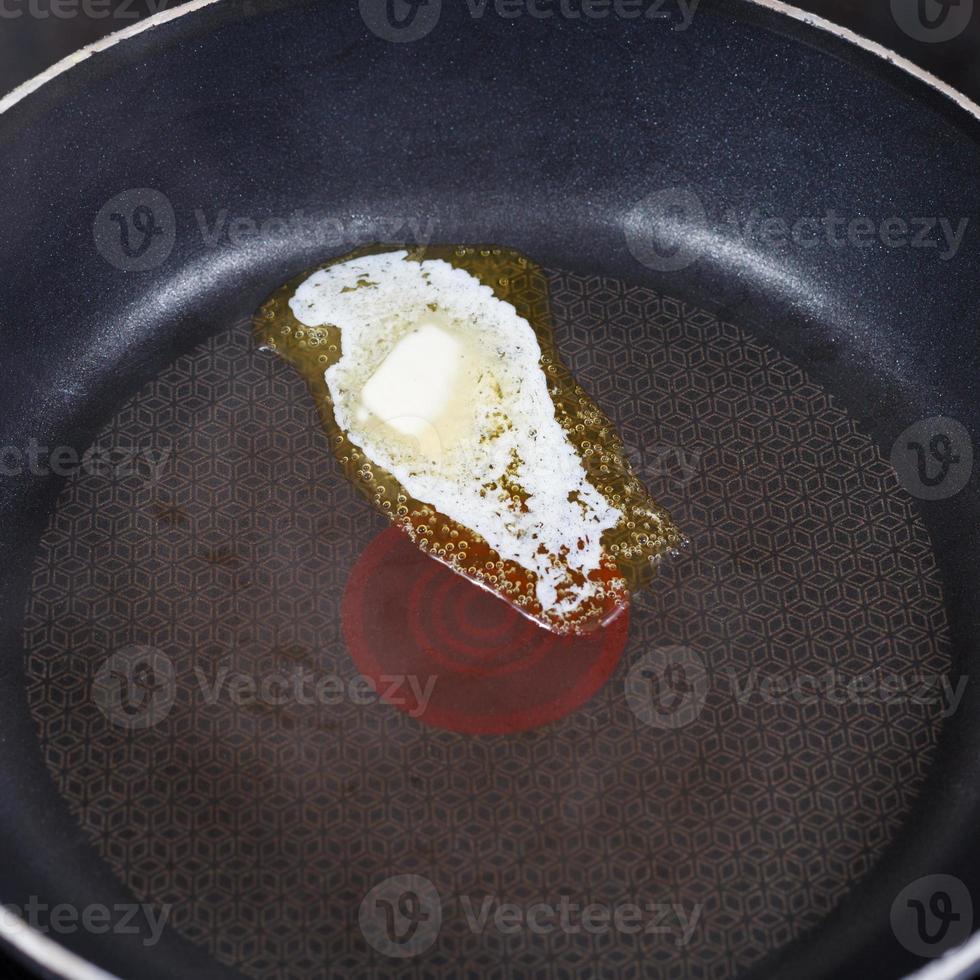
{"x":779,"y":391}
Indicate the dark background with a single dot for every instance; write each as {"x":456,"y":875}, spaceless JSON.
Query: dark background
{"x":36,"y":33}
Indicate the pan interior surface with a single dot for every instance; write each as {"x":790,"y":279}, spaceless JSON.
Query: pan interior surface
{"x":784,"y":743}
{"x":260,"y":822}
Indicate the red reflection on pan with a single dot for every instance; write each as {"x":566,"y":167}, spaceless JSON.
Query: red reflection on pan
{"x":478,"y":665}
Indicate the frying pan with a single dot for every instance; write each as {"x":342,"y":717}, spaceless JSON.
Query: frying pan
{"x":798,"y":379}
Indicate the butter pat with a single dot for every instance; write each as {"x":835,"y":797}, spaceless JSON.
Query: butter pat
{"x":415,"y":384}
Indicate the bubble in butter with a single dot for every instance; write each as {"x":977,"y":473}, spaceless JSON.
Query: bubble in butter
{"x":436,"y":376}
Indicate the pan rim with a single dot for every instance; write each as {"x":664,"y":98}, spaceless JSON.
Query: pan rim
{"x":40,"y":950}
{"x":17,"y":95}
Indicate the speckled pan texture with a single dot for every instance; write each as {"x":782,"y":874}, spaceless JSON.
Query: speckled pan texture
{"x":772,"y":392}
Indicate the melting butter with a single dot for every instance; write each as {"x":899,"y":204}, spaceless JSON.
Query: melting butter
{"x":450,"y":408}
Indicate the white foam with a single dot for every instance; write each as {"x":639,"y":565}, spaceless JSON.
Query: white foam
{"x":501,"y":428}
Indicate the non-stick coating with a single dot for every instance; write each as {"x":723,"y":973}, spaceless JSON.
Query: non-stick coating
{"x":540,"y":135}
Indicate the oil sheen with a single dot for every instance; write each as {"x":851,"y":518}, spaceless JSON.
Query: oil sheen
{"x":436,"y":377}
